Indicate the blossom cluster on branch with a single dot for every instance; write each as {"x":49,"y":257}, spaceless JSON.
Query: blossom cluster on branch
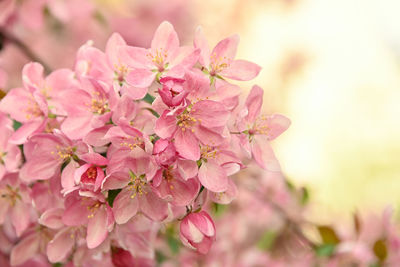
{"x":94,"y":159}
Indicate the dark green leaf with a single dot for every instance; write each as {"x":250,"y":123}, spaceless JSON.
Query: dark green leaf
{"x":112,"y":194}
{"x":16,"y":125}
{"x":149,"y":98}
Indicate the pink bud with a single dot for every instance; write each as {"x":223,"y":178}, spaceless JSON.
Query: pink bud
{"x":197,"y":230}
{"x":164,"y":152}
{"x":172,"y":93}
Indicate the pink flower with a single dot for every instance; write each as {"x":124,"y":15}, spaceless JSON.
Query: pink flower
{"x":132,"y":173}
{"x":172,"y":93}
{"x":45,"y":153}
{"x":217,"y":165}
{"x":10,"y":154}
{"x":220,"y":62}
{"x":28,"y":108}
{"x":164,"y":152}
{"x":257,"y":131}
{"x":91,"y":109}
{"x":164,"y":56}
{"x":173,"y":187}
{"x":91,"y":210}
{"x":15,"y":203}
{"x":88,"y":176}
{"x":203,"y":121}
{"x":197,"y":231}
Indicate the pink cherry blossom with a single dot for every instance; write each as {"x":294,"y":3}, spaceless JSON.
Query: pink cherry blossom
{"x":220,"y":61}
{"x":164,"y":56}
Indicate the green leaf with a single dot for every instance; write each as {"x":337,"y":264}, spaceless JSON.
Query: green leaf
{"x":380,"y":249}
{"x":160,"y":257}
{"x":112,"y":194}
{"x":325,"y":250}
{"x":328,"y":235}
{"x":173,"y":243}
{"x":148,"y":98}
{"x":305,"y":196}
{"x":267,"y":240}
{"x":218,"y":209}
{"x":57,"y":264}
{"x":16,"y":125}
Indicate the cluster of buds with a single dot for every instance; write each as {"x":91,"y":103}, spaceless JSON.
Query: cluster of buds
{"x":95,"y":160}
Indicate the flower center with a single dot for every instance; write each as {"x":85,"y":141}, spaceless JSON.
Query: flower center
{"x":132,"y":142}
{"x":208,"y":152}
{"x":260,"y":126}
{"x":159,"y":58}
{"x":33,"y":110}
{"x":218,"y":64}
{"x":10,"y":194}
{"x":63,"y":153}
{"x":137,"y":184}
{"x":186,"y":121}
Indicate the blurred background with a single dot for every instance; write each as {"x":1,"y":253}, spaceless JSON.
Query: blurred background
{"x":332,"y":66}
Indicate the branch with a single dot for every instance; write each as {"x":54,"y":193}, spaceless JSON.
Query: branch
{"x":6,"y":36}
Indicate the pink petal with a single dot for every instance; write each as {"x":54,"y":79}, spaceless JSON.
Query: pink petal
{"x":254,"y":103}
{"x":125,"y":207}
{"x":67,"y":176}
{"x":97,"y":229}
{"x":116,"y":180}
{"x":76,"y":214}
{"x":227,"y":196}
{"x":165,"y":38}
{"x":263,"y":154}
{"x":213,"y":177}
{"x":153,"y":207}
{"x":187,"y":145}
{"x":165,"y":125}
{"x":140,"y":78}
{"x":187,"y":168}
{"x":277,"y":124}
{"x":94,"y":158}
{"x":203,"y":222}
{"x":77,"y":127}
{"x":20,"y":217}
{"x":135,"y":93}
{"x":226,"y":48}
{"x":42,"y":167}
{"x":201,"y":42}
{"x":25,"y":249}
{"x":61,"y":245}
{"x":112,"y":45}
{"x":32,"y":76}
{"x":26,"y":130}
{"x":95,"y":137}
{"x":241,"y":70}
{"x":183,"y":192}
{"x":211,"y":113}
{"x":52,"y":218}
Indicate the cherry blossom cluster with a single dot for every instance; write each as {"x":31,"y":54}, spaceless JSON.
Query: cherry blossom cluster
{"x":95,"y":160}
